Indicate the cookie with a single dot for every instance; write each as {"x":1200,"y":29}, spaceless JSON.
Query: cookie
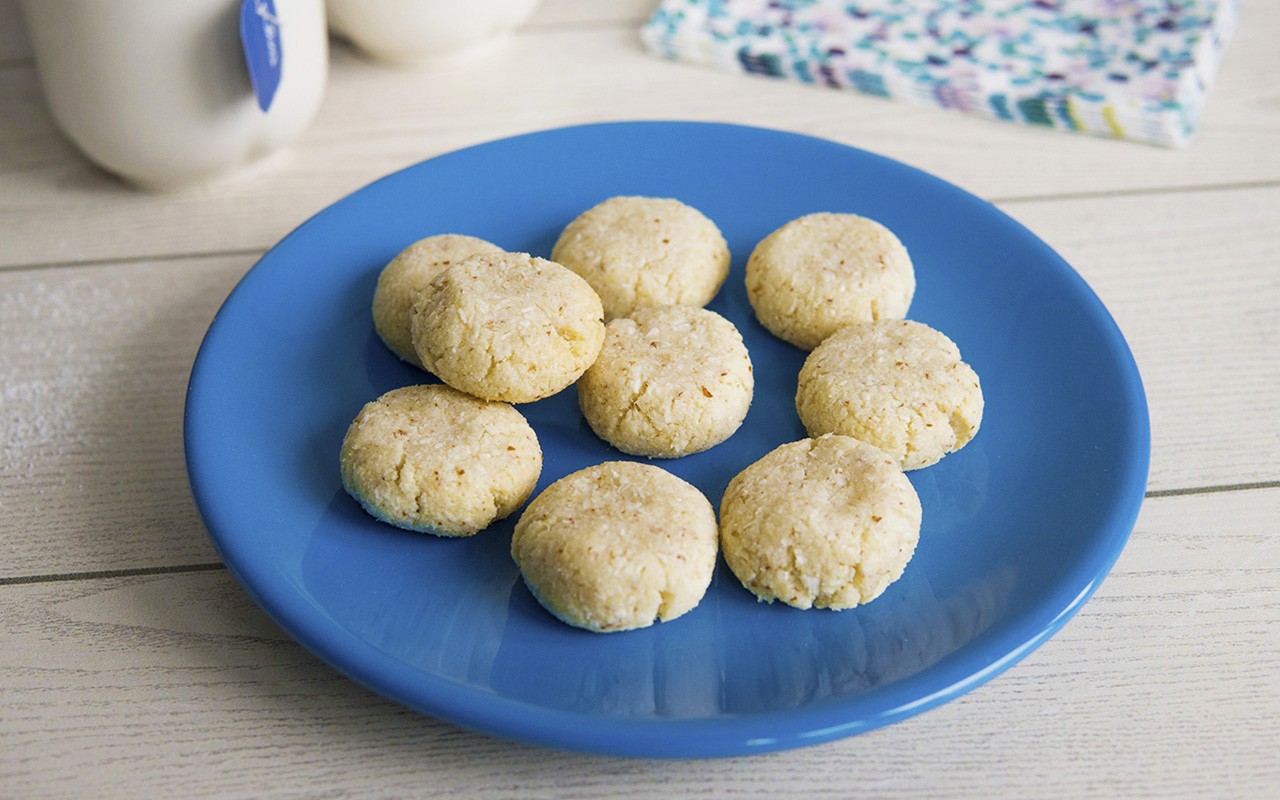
{"x":406,"y":275}
{"x":669,"y":381}
{"x":897,"y":384}
{"x":638,"y":252}
{"x":617,"y":546}
{"x":820,"y":523}
{"x":433,"y":459}
{"x":818,"y":273}
{"x":507,"y":326}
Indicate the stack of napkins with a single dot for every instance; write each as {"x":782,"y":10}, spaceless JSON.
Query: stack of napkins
{"x":1131,"y":69}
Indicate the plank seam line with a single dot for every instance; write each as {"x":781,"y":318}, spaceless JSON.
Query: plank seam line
{"x":110,"y":573}
{"x":1141,"y":192}
{"x":140,"y":259}
{"x":1229,"y":487}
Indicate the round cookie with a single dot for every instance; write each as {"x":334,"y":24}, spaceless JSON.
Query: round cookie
{"x":507,"y":326}
{"x":406,"y":275}
{"x":897,"y":384}
{"x":818,"y":273}
{"x":820,"y":523}
{"x":617,"y":546}
{"x":669,"y":381}
{"x":638,"y":252}
{"x":432,"y":459}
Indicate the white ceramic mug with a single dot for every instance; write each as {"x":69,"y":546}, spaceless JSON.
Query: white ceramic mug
{"x":157,"y":91}
{"x":413,"y":32}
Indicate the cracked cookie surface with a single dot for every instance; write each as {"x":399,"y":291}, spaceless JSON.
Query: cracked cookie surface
{"x":669,"y":381}
{"x":820,"y":523}
{"x":820,"y":272}
{"x":638,"y":252}
{"x":507,"y":326}
{"x":409,"y":273}
{"x":432,"y":459}
{"x":897,"y":384}
{"x":617,"y":546}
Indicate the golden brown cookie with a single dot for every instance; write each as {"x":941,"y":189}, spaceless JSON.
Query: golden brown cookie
{"x":638,"y":252}
{"x":617,"y":546}
{"x":821,"y":523}
{"x":433,"y":459}
{"x":406,"y":275}
{"x":897,"y":384}
{"x":669,"y":381}
{"x":821,"y":272}
{"x":507,"y":326}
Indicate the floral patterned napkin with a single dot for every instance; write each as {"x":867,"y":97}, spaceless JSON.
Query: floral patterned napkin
{"x":1130,"y":69}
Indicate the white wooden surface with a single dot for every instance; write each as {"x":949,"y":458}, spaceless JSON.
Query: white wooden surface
{"x":131,"y":665}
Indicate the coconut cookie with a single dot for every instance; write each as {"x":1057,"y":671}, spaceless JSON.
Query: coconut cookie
{"x":668,"y":382}
{"x":406,"y":275}
{"x":820,"y":523}
{"x":638,"y":252}
{"x":821,"y":272}
{"x":432,"y":459}
{"x":897,"y":384}
{"x":507,"y":326}
{"x":617,"y":546}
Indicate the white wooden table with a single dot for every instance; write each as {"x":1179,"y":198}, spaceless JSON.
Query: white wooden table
{"x":131,"y":664}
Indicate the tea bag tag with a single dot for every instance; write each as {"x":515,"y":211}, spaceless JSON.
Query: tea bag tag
{"x":263,"y":55}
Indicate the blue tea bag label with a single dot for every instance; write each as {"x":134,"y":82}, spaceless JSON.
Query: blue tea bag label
{"x":260,"y":36}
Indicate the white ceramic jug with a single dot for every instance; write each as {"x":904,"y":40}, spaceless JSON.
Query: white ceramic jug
{"x":158,"y":91}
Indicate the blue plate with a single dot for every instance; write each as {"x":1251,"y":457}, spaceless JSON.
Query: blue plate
{"x":1019,"y":527}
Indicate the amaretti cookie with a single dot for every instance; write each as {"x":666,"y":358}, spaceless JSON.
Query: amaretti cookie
{"x":638,"y":252}
{"x":818,"y":273}
{"x":507,"y":326}
{"x":617,"y":546}
{"x":669,"y":381}
{"x":406,"y":275}
{"x":897,"y":384}
{"x":822,"y":523}
{"x":433,"y":459}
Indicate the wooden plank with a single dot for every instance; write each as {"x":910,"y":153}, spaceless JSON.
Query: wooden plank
{"x":1164,"y":686}
{"x":94,"y":369}
{"x":55,"y":207}
{"x":96,"y":359}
